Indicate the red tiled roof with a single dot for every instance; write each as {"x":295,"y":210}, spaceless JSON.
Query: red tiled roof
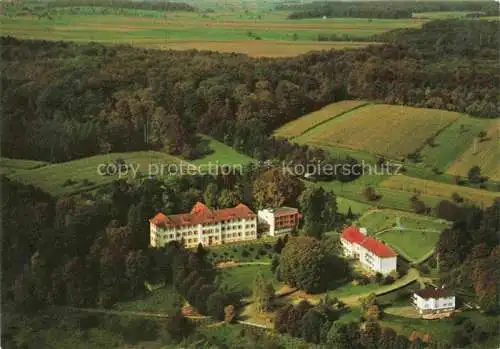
{"x":354,"y":235}
{"x":377,"y":248}
{"x":201,"y":214}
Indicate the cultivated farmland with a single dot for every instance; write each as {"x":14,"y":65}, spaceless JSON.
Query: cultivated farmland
{"x":484,"y":154}
{"x":418,"y":186}
{"x":256,"y":33}
{"x":389,"y":130}
{"x":307,"y":122}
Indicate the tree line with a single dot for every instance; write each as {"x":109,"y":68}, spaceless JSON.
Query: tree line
{"x":63,"y":101}
{"x":379,"y":9}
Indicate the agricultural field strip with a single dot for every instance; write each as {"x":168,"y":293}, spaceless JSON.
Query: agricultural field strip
{"x":321,"y":122}
{"x":350,"y":129}
{"x":426,"y":187}
{"x":484,"y":154}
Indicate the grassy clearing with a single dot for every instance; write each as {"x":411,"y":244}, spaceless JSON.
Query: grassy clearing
{"x":161,"y":300}
{"x":484,"y":154}
{"x":357,"y":208}
{"x":222,"y":155}
{"x":303,"y":124}
{"x":240,"y":278}
{"x":84,"y":172}
{"x":390,"y":198}
{"x":405,"y":129}
{"x":453,"y":141}
{"x":424,"y":187}
{"x":19,"y":164}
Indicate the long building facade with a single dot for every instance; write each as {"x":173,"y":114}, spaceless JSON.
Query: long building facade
{"x":374,"y":255}
{"x":205,"y":226}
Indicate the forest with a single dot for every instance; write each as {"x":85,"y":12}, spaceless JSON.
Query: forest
{"x":63,"y":101}
{"x":379,"y":9}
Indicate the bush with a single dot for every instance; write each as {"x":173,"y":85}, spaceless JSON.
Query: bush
{"x":388,"y":280}
{"x":245,"y":254}
{"x":68,"y":182}
{"x":458,"y":320}
{"x":262,"y":252}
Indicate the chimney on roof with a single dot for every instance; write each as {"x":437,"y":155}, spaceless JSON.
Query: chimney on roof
{"x":363,"y":231}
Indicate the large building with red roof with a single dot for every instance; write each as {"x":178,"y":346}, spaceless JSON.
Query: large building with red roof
{"x":210,"y":227}
{"x":372,"y":253}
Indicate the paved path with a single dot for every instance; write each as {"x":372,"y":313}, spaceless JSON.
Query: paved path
{"x":125,"y":312}
{"x":235,"y":264}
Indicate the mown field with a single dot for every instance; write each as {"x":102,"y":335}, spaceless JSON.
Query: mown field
{"x":308,"y":122}
{"x":484,"y":154}
{"x":256,"y":33}
{"x":389,"y":130}
{"x":417,"y":186}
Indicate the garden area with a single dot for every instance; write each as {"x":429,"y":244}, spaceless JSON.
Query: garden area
{"x":255,"y":251}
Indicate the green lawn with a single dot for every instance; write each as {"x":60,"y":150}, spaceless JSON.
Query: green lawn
{"x":222,"y":155}
{"x":395,"y":199}
{"x":19,"y":164}
{"x":412,"y":244}
{"x":380,"y":220}
{"x":357,"y":208}
{"x":163,"y":300}
{"x":418,"y":237}
{"x":240,"y":278}
{"x":440,"y":329}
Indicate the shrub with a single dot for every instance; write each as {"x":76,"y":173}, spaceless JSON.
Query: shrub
{"x":262,"y":252}
{"x":68,"y":182}
{"x":245,"y":254}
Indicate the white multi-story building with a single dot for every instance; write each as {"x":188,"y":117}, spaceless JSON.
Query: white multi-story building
{"x":279,"y":221}
{"x":431,"y":301}
{"x":371,"y":253}
{"x":210,"y":227}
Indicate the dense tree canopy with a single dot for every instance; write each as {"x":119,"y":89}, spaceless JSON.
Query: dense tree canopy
{"x":119,"y":98}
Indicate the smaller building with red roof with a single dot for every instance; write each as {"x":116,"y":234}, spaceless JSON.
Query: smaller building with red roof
{"x":372,"y":253}
{"x":205,"y":226}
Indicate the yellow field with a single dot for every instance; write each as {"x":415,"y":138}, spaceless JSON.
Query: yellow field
{"x":303,"y":124}
{"x":271,"y":49}
{"x":390,"y":130}
{"x":484,"y":154}
{"x":427,"y":187}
